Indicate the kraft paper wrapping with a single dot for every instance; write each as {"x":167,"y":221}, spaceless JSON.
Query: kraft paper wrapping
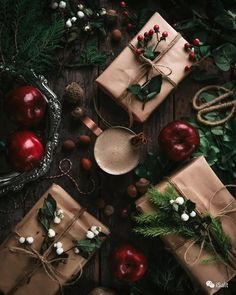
{"x":119,"y":75}
{"x":14,"y":265}
{"x":199,"y":183}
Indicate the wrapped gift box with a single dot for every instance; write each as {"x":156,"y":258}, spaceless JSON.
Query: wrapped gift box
{"x":15,"y":267}
{"x":124,"y":69}
{"x":198,"y":182}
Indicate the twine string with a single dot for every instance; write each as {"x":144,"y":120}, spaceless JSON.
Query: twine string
{"x":65,"y":167}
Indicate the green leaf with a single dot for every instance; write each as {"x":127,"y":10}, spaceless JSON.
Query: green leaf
{"x":43,"y":220}
{"x":224,"y":56}
{"x":227,"y":19}
{"x":148,"y":53}
{"x":135,"y":89}
{"x":151,"y":95}
{"x":154,"y":84}
{"x":49,"y":206}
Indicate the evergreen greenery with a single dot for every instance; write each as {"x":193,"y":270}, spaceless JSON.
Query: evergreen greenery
{"x":28,"y":36}
{"x":165,"y":220}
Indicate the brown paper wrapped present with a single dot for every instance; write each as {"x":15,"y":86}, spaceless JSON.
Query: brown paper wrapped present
{"x":127,"y":69}
{"x":198,"y":182}
{"x":25,"y":272}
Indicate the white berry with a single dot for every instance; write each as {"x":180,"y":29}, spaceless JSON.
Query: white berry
{"x":103,"y":11}
{"x":81,"y":6}
{"x":179,"y":200}
{"x":68,"y":23}
{"x":60,"y":211}
{"x":59,"y":251}
{"x":62,"y":4}
{"x":172,"y":201}
{"x":80,"y":14}
{"x":90,"y":235}
{"x":21,"y":240}
{"x":54,"y":5}
{"x":57,"y":220}
{"x":193,"y":214}
{"x":30,"y":240}
{"x":76,"y":250}
{"x":74,"y":19}
{"x":87,"y":28}
{"x":185,"y":217}
{"x":51,"y":233}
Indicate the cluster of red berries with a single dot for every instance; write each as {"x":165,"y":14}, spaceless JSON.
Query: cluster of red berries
{"x":148,"y":36}
{"x":124,"y":6}
{"x":192,"y":54}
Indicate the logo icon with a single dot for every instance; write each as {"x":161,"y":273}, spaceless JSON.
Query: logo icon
{"x":210,"y":284}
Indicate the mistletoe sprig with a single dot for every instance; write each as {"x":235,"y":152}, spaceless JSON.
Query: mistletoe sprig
{"x":184,"y":221}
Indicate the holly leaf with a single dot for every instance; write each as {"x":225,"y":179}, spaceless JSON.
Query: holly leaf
{"x":148,"y":53}
{"x":154,"y":84}
{"x":137,"y":90}
{"x":227,"y":19}
{"x":224,"y":56}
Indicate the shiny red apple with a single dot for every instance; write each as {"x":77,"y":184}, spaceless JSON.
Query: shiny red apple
{"x":25,"y":106}
{"x":25,"y":150}
{"x":128,"y":263}
{"x":178,"y":140}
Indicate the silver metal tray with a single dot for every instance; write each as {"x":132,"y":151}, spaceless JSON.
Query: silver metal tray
{"x":15,"y":181}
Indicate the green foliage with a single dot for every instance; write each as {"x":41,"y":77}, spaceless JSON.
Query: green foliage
{"x":90,"y":56}
{"x":46,"y":213}
{"x":166,"y":220}
{"x":148,"y":91}
{"x":29,"y":37}
{"x":88,"y":246}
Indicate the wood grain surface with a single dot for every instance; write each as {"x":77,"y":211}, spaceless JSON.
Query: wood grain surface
{"x":112,"y":188}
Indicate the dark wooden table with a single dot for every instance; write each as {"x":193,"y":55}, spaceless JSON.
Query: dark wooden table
{"x":112,"y":188}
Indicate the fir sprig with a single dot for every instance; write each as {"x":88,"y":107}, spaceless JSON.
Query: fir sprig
{"x":164,"y":220}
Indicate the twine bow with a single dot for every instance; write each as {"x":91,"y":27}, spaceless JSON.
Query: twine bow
{"x":148,"y":67}
{"x":44,"y":261}
{"x":207,"y":234}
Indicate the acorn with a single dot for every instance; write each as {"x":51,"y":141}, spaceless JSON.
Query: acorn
{"x":86,"y":164}
{"x":116,"y":35}
{"x":111,"y":17}
{"x":78,"y":113}
{"x":109,"y":210}
{"x":84,"y":140}
{"x":102,"y":291}
{"x":100,"y":203}
{"x":68,"y":145}
{"x":142,"y":185}
{"x":73,"y":93}
{"x":132,"y":191}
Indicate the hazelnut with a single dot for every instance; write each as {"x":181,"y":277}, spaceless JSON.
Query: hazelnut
{"x":84,"y":140}
{"x":132,"y":191}
{"x":68,"y":145}
{"x":109,"y":210}
{"x":100,"y":203}
{"x":102,"y":291}
{"x":142,"y":185}
{"x":78,"y":113}
{"x":73,"y":93}
{"x":116,"y":35}
{"x":111,"y":17}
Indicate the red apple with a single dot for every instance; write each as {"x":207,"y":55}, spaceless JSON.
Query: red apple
{"x":129,"y":264}
{"x":178,"y":140}
{"x":25,"y":150}
{"x":25,"y":106}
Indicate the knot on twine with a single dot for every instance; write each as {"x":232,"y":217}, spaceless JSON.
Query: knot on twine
{"x":230,"y":264}
{"x":148,"y":67}
{"x":139,"y":140}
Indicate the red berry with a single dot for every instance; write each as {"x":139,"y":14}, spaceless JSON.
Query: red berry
{"x":138,"y":51}
{"x":86,"y":164}
{"x":192,"y":56}
{"x":156,"y":28}
{"x":187,"y":68}
{"x":151,"y":32}
{"x":145,"y":34}
{"x":125,"y":13}
{"x":130,"y":26}
{"x":165,"y":34}
{"x":187,"y":46}
{"x":196,"y":42}
{"x":122,"y":4}
{"x":140,"y":37}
